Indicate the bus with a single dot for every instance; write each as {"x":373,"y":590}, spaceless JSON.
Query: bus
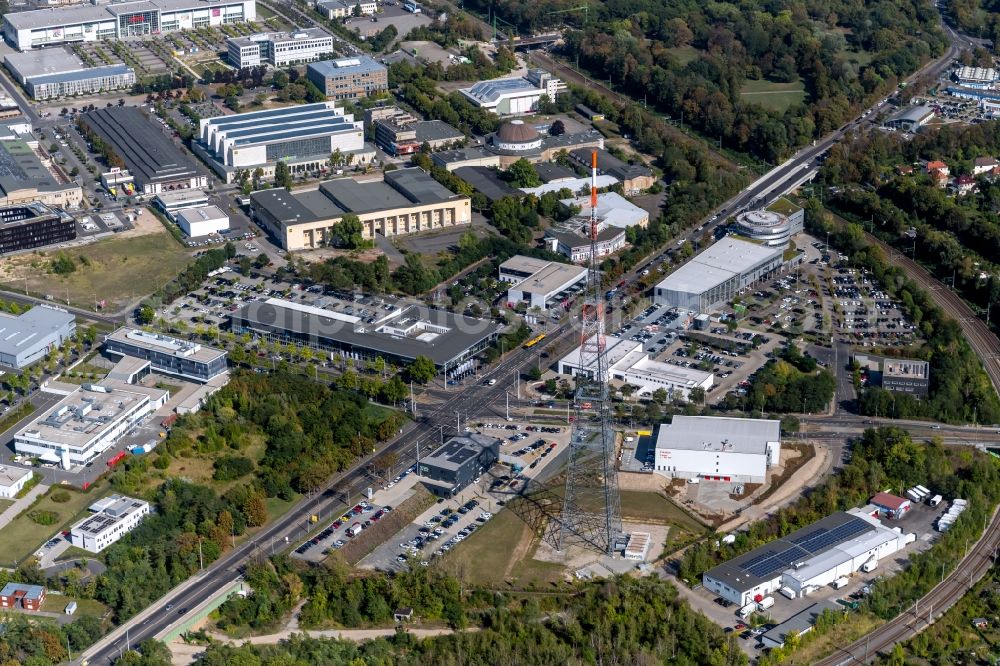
{"x":412,"y":7}
{"x":534,"y":341}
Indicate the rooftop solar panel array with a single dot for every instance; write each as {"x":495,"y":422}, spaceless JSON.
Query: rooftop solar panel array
{"x":776,"y":562}
{"x":819,"y":540}
{"x":769,"y":560}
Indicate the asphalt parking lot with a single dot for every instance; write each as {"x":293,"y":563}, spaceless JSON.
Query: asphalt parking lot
{"x":443,"y":526}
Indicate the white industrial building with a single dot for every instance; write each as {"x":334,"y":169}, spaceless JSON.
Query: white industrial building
{"x":12,"y":480}
{"x":718,"y":448}
{"x":980,"y":78}
{"x":514,"y":96}
{"x":613,"y":210}
{"x":52,"y":73}
{"x":538,"y":282}
{"x":202,"y":221}
{"x":279,"y":49}
{"x":628,"y":363}
{"x":717,"y":275}
{"x":111,"y":518}
{"x":30,"y":336}
{"x":173,"y":201}
{"x":87,"y":422}
{"x":119,"y":20}
{"x":302,"y":136}
{"x":807,"y":559}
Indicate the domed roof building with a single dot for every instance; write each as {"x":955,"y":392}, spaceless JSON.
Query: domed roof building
{"x":515,"y":137}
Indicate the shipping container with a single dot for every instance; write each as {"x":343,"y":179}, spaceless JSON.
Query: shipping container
{"x":934,"y":501}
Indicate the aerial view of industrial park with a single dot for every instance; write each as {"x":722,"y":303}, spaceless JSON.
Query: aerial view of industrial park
{"x":499,"y":332}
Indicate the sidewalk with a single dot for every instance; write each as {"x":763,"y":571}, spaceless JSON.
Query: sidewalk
{"x":20,"y":505}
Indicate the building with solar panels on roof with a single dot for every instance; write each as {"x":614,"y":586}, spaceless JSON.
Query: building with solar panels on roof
{"x":807,"y":559}
{"x":457,"y":462}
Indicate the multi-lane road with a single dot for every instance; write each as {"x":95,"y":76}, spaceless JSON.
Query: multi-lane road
{"x":473,"y":399}
{"x":424,"y":432}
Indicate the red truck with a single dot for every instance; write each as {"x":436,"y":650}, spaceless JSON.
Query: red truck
{"x":117,"y":458}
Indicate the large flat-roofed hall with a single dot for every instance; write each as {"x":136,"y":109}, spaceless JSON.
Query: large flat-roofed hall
{"x":141,"y":147}
{"x":394,"y":332}
{"x":718,"y":448}
{"x":119,"y":20}
{"x":406,"y":201}
{"x":25,"y":179}
{"x":30,"y":336}
{"x":716,"y":275}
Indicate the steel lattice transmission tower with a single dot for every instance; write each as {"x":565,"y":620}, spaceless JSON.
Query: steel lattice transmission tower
{"x":591,"y":512}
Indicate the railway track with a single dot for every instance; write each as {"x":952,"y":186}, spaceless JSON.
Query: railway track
{"x":980,"y":337}
{"x":933,"y":605}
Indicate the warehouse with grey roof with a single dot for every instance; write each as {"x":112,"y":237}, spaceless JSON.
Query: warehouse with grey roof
{"x":29,"y":336}
{"x":718,"y":274}
{"x":395,"y":332}
{"x":153,"y":159}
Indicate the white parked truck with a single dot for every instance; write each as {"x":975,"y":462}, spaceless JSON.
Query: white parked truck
{"x":934,"y":501}
{"x":766,"y":603}
{"x":747,"y":610}
{"x":354,"y":530}
{"x":788,"y":592}
{"x":869,"y":566}
{"x":840,"y":583}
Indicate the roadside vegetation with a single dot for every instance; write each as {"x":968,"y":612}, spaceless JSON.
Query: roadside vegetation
{"x":585,"y":623}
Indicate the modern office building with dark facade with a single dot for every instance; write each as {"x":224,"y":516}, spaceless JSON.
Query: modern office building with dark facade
{"x":454,"y":465}
{"x":33,"y":225}
{"x":170,"y":356}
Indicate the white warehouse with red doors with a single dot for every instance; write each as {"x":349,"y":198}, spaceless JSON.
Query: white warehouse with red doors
{"x":713,"y":448}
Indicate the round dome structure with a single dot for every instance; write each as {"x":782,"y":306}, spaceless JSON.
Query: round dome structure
{"x":516,"y":136}
{"x":764,"y":226}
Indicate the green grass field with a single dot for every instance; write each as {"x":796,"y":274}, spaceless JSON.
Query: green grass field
{"x":772,"y":95}
{"x":655,"y":508}
{"x":486,"y":556}
{"x":684,"y":54}
{"x":56,"y":603}
{"x":23,"y":535}
{"x":116,"y":270}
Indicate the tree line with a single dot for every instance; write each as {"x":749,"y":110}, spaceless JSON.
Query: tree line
{"x":622,"y":620}
{"x":959,"y":391}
